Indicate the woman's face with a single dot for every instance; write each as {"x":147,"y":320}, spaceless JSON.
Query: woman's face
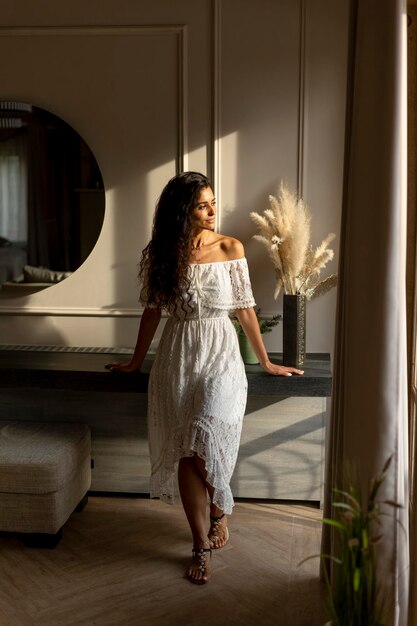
{"x":205,"y":210}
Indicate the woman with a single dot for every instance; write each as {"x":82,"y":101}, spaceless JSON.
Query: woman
{"x":197,"y":387}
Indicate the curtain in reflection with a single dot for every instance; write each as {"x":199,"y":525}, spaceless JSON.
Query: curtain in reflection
{"x":13,"y":186}
{"x":53,"y":231}
{"x":369,"y":409}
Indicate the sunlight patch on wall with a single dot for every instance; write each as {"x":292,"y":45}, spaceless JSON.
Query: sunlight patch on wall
{"x":228,"y":157}
{"x":197,"y":160}
{"x":109,"y":241}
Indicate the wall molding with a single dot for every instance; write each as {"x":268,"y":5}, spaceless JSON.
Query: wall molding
{"x":89,"y":312}
{"x":301,"y":98}
{"x":215,"y":161}
{"x":181,"y":156}
{"x":214,"y":165}
{"x":42,"y":31}
{"x":149,"y":30}
{"x":69,"y":311}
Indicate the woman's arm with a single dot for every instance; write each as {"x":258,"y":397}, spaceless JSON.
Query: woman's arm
{"x":249,"y":323}
{"x":147,"y":328}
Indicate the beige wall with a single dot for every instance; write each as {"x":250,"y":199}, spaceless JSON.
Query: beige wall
{"x":249,"y":91}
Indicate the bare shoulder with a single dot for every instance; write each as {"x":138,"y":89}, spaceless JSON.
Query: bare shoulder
{"x":232,"y":248}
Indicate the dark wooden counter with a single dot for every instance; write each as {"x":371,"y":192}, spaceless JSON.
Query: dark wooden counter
{"x":85,"y":371}
{"x":282,"y":446}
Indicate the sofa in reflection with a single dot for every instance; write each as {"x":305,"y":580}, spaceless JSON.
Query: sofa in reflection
{"x":30,"y":280}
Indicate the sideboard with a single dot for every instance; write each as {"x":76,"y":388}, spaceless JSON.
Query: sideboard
{"x":283,"y":440}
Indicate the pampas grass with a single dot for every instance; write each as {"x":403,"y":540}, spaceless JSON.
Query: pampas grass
{"x":285,"y":231}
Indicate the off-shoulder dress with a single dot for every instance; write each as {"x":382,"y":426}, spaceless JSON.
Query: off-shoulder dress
{"x":198,"y":387}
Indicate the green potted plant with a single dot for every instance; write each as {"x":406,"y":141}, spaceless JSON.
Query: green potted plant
{"x":265,"y":326}
{"x":355,"y":595}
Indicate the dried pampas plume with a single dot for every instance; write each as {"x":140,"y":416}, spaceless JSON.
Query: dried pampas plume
{"x":285,"y":231}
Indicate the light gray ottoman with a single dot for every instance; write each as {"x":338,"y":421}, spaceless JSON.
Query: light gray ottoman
{"x":45,"y":473}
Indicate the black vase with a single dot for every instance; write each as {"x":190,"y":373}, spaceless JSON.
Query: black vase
{"x":294,"y":330}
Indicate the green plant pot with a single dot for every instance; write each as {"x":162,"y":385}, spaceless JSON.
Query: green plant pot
{"x":248,"y":355}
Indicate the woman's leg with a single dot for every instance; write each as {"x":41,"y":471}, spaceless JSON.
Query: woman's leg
{"x":194,"y":500}
{"x":218,"y":534}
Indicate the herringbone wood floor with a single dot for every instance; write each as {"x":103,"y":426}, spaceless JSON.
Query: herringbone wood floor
{"x":121,"y":562}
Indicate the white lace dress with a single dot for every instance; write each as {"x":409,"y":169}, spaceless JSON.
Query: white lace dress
{"x":198,"y":387}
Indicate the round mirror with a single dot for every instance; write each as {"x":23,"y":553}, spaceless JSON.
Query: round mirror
{"x":51,"y":199}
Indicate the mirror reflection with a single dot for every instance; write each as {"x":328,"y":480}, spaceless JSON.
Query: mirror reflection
{"x":51,"y":199}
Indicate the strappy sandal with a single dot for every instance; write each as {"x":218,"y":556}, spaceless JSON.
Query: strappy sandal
{"x":200,"y":554}
{"x":215,"y":525}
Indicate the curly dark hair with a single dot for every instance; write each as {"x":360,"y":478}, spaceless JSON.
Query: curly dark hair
{"x":163,"y":269}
